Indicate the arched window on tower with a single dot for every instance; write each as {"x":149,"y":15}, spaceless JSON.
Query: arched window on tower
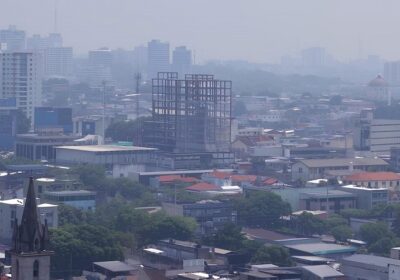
{"x":36,"y":269}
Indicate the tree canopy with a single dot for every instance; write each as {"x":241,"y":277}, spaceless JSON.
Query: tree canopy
{"x":261,"y":209}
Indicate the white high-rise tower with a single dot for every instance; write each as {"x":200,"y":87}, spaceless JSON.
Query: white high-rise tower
{"x":21,"y":77}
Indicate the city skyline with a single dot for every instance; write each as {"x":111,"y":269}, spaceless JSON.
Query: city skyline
{"x":261,"y":32}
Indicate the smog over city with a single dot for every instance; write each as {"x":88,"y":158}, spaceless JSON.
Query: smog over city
{"x":199,"y":139}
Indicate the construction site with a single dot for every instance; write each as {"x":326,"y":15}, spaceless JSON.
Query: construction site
{"x":191,"y":115}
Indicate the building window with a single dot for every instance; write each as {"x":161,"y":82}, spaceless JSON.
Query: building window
{"x":300,"y":170}
{"x":36,"y":269}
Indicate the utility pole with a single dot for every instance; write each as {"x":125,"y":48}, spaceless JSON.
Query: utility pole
{"x":138,"y":79}
{"x":104,"y":112}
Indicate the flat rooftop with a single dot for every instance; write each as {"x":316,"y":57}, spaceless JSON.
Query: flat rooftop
{"x":115,"y":266}
{"x":323,"y":271}
{"x":105,"y":148}
{"x":354,"y":187}
{"x":372,"y":260}
{"x":70,"y":193}
{"x":324,"y":194}
{"x":321,"y":248}
{"x":337,"y":162}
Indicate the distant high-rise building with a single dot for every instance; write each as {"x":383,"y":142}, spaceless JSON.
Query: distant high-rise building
{"x":313,"y":57}
{"x":392,"y":73}
{"x":158,"y":58}
{"x":13,"y":39}
{"x":190,"y":115}
{"x":8,"y":123}
{"x":182,"y":60}
{"x":21,"y":76}
{"x":37,"y":42}
{"x":99,"y":67}
{"x":140,"y":58}
{"x":58,"y":60}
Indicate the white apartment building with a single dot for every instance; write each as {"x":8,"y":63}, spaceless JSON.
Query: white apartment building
{"x":12,"y":38}
{"x":99,"y":68}
{"x":376,"y":135}
{"x":21,"y":76}
{"x":13,"y":208}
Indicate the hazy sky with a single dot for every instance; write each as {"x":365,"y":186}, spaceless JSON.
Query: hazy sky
{"x":255,"y":30}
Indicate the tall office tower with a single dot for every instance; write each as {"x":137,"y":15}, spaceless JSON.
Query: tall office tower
{"x":21,"y":76}
{"x":140,"y":57}
{"x":58,"y":60}
{"x":8,"y":123}
{"x":13,"y":39}
{"x":191,"y":115}
{"x":313,"y":57}
{"x":37,"y":42}
{"x":158,"y":58}
{"x":99,"y":67}
{"x":182,"y":60}
{"x":392,"y":73}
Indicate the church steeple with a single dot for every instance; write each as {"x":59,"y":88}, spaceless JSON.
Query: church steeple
{"x":29,"y":255}
{"x":30,"y":235}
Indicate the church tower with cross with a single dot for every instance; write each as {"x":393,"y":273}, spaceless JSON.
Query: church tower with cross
{"x":30,"y":257}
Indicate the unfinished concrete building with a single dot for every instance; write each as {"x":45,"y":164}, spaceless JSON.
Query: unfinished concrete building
{"x":192,"y":115}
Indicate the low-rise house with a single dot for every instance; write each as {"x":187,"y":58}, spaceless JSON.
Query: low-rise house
{"x":176,"y":256}
{"x":367,"y":198}
{"x":310,"y":169}
{"x":211,"y":215}
{"x":114,"y":269}
{"x":321,"y":272}
{"x":243,"y":145}
{"x":374,"y":180}
{"x":170,"y":180}
{"x":331,"y":200}
{"x":214,"y":190}
{"x":80,"y":199}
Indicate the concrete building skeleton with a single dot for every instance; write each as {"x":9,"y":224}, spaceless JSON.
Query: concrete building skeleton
{"x":192,"y":115}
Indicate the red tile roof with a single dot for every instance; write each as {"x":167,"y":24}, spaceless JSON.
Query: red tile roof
{"x":373,"y":176}
{"x":202,"y":187}
{"x":220,"y":174}
{"x":176,"y":178}
{"x":270,"y":181}
{"x":188,"y":180}
{"x":169,"y":178}
{"x":244,"y":178}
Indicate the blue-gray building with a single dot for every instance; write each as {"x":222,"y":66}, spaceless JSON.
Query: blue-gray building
{"x":53,"y":118}
{"x":8,"y":123}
